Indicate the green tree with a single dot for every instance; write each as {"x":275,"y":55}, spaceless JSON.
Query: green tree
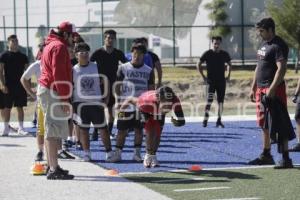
{"x":286,"y":16}
{"x":218,"y":16}
{"x":254,"y":38}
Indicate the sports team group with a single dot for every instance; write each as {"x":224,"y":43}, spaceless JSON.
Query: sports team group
{"x":77,"y":91}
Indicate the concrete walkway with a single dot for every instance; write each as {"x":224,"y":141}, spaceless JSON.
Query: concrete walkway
{"x":16,"y":182}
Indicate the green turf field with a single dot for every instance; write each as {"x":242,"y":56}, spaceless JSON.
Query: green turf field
{"x":244,"y":184}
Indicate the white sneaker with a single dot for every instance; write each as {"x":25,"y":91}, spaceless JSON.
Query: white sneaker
{"x":12,"y":129}
{"x":21,"y":131}
{"x":147,"y":160}
{"x":112,"y":136}
{"x":116,"y":156}
{"x":137,"y":155}
{"x":109,"y":156}
{"x":86,"y":157}
{"x":154,"y":161}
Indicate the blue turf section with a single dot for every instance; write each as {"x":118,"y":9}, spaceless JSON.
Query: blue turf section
{"x":192,"y":144}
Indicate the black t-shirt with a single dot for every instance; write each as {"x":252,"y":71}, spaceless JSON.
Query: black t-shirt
{"x":268,"y":54}
{"x":215,"y":64}
{"x":108,"y":62}
{"x":14,"y":67}
{"x":154,"y":57}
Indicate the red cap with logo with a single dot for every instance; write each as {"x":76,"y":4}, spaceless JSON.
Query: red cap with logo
{"x":66,"y":27}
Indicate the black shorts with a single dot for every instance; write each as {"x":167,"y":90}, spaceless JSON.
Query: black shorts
{"x":129,"y":120}
{"x":17,"y":98}
{"x":111,"y":101}
{"x":88,"y":113}
{"x":218,"y":87}
{"x":297,"y":111}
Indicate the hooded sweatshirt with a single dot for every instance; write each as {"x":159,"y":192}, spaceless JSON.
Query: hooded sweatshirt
{"x":56,"y":67}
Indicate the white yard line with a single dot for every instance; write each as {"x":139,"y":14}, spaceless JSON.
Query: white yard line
{"x":201,"y":189}
{"x":250,"y":198}
{"x":178,"y":180}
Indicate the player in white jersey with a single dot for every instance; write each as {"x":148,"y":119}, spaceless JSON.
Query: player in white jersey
{"x":87,"y":101}
{"x":135,"y":78}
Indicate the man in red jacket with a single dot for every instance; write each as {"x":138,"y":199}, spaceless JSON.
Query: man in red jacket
{"x":54,"y":93}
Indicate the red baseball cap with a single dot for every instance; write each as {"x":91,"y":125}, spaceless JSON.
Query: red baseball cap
{"x":67,"y":27}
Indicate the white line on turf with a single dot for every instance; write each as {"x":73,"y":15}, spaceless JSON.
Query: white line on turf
{"x":250,"y":198}
{"x":201,"y":189}
{"x":178,"y":180}
{"x":206,"y":169}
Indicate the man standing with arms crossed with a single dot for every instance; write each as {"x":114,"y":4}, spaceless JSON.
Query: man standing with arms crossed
{"x":269,"y":80}
{"x":107,"y":59}
{"x":54,"y":92}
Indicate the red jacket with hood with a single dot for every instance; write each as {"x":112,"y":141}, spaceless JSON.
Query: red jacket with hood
{"x":56,"y":66}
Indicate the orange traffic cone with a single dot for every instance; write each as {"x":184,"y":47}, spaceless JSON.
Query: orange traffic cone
{"x":111,"y":172}
{"x":195,"y":168}
{"x":38,"y":169}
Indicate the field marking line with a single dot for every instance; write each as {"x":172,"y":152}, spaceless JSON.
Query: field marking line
{"x":250,"y":198}
{"x":201,"y":189}
{"x":205,"y":169}
{"x":178,"y":180}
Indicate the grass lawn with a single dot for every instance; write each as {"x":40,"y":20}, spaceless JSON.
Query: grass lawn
{"x":263,"y":183}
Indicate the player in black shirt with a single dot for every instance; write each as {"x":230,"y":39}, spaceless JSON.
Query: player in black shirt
{"x":155,"y":61}
{"x":215,"y":60}
{"x":107,"y":59}
{"x":269,"y":80}
{"x":12,"y":66}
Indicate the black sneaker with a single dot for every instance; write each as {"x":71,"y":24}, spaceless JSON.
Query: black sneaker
{"x":34,"y":123}
{"x":284,"y":164}
{"x":94,"y":135}
{"x":204,"y":123}
{"x":68,"y":144}
{"x":39,"y":156}
{"x":57,"y":174}
{"x":58,"y":168}
{"x":295,"y":148}
{"x":219,"y":123}
{"x":65,"y":155}
{"x":262,"y":160}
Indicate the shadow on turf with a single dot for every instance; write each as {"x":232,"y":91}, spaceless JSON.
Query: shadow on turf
{"x":201,"y":174}
{"x":221,"y":174}
{"x":171,"y":181}
{"x":162,"y":162}
{"x":213,"y":136}
{"x":203,"y":133}
{"x":11,"y":145}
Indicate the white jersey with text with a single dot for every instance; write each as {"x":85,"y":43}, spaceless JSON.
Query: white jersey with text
{"x":135,"y":81}
{"x":86,"y":83}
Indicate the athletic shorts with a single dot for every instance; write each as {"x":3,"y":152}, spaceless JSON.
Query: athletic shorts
{"x":111,"y":101}
{"x":55,"y":119}
{"x":149,"y":122}
{"x":219,"y":88}
{"x":40,"y":120}
{"x":17,"y":98}
{"x":280,"y":93}
{"x":297,"y":111}
{"x":88,"y":113}
{"x":129,"y":120}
